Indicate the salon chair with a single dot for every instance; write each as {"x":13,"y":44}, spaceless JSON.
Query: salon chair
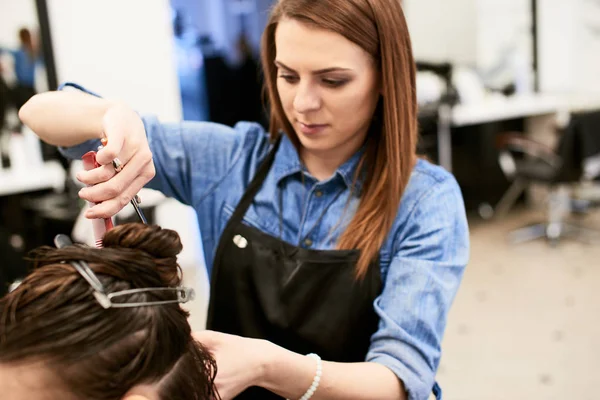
{"x":525,"y":162}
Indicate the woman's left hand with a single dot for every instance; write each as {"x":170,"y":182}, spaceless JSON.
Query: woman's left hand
{"x":241,"y":362}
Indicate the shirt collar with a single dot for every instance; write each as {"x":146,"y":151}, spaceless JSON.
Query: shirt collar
{"x":287,"y":162}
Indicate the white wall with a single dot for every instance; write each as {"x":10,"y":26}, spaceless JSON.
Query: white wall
{"x":557,"y":45}
{"x":570,"y":45}
{"x":503,"y":24}
{"x":588,"y":46}
{"x":443,"y":30}
{"x":479,"y":32}
{"x":489,"y":35}
{"x":120,"y":49}
{"x":15,"y":14}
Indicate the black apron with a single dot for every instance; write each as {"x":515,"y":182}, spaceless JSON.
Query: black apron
{"x":307,"y":301}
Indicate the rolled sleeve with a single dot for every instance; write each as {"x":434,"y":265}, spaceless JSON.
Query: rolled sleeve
{"x":193,"y":158}
{"x":76,"y":152}
{"x":419,"y":288}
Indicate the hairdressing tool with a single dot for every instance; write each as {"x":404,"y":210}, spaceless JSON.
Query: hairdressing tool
{"x":184,"y":294}
{"x":118,"y":166}
{"x":100,"y":225}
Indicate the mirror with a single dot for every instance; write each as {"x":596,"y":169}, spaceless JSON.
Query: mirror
{"x":24,"y":60}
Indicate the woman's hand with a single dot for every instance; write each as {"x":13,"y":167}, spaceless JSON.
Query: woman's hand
{"x":241,"y":362}
{"x":244,"y":362}
{"x":127,"y":141}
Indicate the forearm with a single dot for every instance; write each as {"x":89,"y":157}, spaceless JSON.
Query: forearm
{"x":65,"y":118}
{"x":290,"y":375}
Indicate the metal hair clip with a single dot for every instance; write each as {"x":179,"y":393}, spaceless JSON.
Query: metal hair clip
{"x":184,"y":294}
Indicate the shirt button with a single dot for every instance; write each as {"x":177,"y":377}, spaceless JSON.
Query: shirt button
{"x":318,"y":193}
{"x":308,"y":242}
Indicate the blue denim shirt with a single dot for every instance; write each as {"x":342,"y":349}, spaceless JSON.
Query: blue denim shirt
{"x":208,"y":166}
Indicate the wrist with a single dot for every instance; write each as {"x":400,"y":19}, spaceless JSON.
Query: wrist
{"x":119,"y":114}
{"x":269,"y":359}
{"x":286,"y":373}
{"x":109,"y":112}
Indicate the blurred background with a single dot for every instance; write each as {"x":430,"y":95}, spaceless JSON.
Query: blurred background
{"x":509,"y":100}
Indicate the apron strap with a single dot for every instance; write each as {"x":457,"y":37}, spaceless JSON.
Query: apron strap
{"x":253,"y":187}
{"x":237,"y":216}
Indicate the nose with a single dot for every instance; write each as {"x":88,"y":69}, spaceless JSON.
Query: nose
{"x":307,"y":99}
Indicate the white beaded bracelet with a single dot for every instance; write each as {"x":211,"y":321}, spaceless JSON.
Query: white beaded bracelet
{"x":317,"y":379}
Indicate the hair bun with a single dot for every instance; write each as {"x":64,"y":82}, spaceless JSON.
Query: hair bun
{"x":156,"y":248}
{"x":152,"y":239}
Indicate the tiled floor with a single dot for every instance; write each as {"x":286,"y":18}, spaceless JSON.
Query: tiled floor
{"x":526,"y":321}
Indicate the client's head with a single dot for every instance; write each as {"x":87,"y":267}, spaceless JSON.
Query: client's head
{"x":58,"y":342}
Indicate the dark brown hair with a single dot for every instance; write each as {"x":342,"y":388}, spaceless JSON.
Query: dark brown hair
{"x":379,"y":27}
{"x":98,"y":353}
{"x":26,"y":40}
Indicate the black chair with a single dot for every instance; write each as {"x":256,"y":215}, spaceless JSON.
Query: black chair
{"x":525,"y":161}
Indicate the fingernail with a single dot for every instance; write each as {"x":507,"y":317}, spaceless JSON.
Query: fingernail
{"x":81,"y":192}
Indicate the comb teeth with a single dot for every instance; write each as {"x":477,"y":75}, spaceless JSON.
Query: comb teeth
{"x":99,"y":243}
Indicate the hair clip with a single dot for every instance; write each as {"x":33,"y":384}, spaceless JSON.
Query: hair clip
{"x":184,"y":294}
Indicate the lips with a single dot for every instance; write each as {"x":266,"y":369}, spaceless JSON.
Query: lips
{"x":311,"y":129}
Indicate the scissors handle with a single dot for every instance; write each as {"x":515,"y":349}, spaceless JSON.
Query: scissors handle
{"x":101,"y":225}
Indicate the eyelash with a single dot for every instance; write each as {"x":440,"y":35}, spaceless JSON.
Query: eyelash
{"x":289,"y":78}
{"x":332,"y":83}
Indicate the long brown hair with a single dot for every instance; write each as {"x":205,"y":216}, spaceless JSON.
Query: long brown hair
{"x":379,"y":27}
{"x":98,"y":353}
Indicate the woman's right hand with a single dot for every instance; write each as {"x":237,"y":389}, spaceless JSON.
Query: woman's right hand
{"x":126,"y":135}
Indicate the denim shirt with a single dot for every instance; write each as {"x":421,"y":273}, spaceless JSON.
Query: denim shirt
{"x":208,"y":166}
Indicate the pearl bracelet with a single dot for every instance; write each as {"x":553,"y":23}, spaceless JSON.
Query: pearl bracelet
{"x":317,"y":379}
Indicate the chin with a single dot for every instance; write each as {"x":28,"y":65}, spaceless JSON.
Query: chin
{"x":315,"y":143}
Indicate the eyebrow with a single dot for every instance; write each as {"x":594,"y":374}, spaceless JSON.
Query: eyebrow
{"x":318,"y":72}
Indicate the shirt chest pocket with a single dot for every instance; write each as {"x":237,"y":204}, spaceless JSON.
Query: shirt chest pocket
{"x":251,"y":218}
